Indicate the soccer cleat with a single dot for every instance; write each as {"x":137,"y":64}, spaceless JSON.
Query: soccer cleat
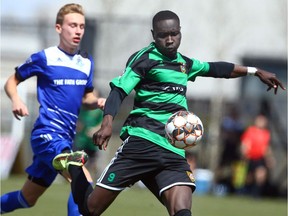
{"x":59,"y":162}
{"x":78,"y":158}
{"x":63,"y":160}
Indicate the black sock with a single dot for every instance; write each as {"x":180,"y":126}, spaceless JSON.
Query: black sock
{"x":183,"y":212}
{"x":80,"y":187}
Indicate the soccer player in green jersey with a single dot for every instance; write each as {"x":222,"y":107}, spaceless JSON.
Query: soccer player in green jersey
{"x":158,"y":74}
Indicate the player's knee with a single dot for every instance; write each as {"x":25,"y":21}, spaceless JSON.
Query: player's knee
{"x":183,"y":212}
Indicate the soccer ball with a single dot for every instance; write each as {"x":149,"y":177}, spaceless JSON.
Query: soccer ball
{"x":184,"y":129}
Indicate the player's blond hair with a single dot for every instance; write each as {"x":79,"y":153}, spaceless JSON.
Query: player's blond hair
{"x":67,"y":9}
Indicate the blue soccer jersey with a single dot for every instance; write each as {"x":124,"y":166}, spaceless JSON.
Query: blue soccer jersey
{"x":62,"y":80}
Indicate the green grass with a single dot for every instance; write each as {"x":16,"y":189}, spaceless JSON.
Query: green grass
{"x":140,"y":202}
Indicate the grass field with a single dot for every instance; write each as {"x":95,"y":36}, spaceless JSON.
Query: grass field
{"x":140,"y":202}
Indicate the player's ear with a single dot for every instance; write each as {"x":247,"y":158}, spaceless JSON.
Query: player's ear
{"x":58,"y":28}
{"x":152,"y":33}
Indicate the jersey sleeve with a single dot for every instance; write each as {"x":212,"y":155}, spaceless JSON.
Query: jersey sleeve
{"x":127,"y":81}
{"x":198,"y":68}
{"x":134,"y":72}
{"x":33,"y":66}
{"x":137,"y":66}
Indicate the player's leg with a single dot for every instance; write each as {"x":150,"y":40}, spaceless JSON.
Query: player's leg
{"x":90,"y":202}
{"x":121,"y":172}
{"x":34,"y":187}
{"x":173,"y":184}
{"x":260,"y":177}
{"x":91,"y":164}
{"x":72,"y":163}
{"x":94,"y":202}
{"x":100,"y":199}
{"x":178,"y":200}
{"x":12,"y":201}
{"x":72,"y":207}
{"x":48,"y":149}
{"x":24,"y":198}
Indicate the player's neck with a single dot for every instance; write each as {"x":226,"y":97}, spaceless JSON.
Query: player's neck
{"x":67,"y":51}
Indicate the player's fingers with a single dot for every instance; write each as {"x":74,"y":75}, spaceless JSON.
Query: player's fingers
{"x":277,"y":83}
{"x":280,"y":84}
{"x":99,"y":140}
{"x":271,"y":84}
{"x":275,"y":86}
{"x":95,"y":138}
{"x":20,"y":113}
{"x":275,"y":90}
{"x":268,"y":89}
{"x":16,"y":116}
{"x":105,"y":144}
{"x":100,"y":147}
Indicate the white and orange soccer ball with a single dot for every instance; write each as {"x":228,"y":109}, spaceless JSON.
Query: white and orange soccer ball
{"x":184,"y":129}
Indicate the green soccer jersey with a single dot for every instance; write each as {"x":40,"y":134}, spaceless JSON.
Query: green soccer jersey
{"x":160,"y":86}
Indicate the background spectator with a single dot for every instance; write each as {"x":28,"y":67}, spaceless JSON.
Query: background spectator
{"x":256,"y":151}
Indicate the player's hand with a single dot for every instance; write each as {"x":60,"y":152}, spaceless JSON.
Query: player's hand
{"x":269,"y":79}
{"x":101,"y":103}
{"x":19,"y":109}
{"x":103,"y":135}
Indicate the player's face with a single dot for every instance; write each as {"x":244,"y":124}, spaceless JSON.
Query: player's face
{"x":167,"y":36}
{"x":71,"y":32}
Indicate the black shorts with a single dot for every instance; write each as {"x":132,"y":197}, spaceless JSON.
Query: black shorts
{"x":254,"y":164}
{"x":139,"y":159}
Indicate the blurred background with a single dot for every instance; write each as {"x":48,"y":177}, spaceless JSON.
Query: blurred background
{"x":252,"y":33}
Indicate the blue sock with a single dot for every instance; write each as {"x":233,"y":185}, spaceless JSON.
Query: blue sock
{"x":11,"y":201}
{"x":72,"y":207}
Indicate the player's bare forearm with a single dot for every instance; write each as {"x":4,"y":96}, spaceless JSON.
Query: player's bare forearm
{"x":10,"y":87}
{"x":19,"y":109}
{"x":239,"y":71}
{"x":90,"y":101}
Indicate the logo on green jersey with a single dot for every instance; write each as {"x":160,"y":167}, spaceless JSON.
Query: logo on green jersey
{"x":183,"y":67}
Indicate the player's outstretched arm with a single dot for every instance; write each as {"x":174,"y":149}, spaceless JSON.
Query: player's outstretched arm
{"x":266,"y":77}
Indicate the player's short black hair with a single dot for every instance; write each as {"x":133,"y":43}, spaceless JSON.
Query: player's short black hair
{"x":164,"y":15}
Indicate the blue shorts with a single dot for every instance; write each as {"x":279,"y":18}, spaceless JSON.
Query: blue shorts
{"x":138,"y":159}
{"x":45,"y":147}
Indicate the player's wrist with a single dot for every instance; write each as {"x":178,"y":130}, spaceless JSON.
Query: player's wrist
{"x":251,"y":71}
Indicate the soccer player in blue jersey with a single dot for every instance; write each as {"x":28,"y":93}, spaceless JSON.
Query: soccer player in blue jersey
{"x":158,"y":74}
{"x":64,"y":83}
